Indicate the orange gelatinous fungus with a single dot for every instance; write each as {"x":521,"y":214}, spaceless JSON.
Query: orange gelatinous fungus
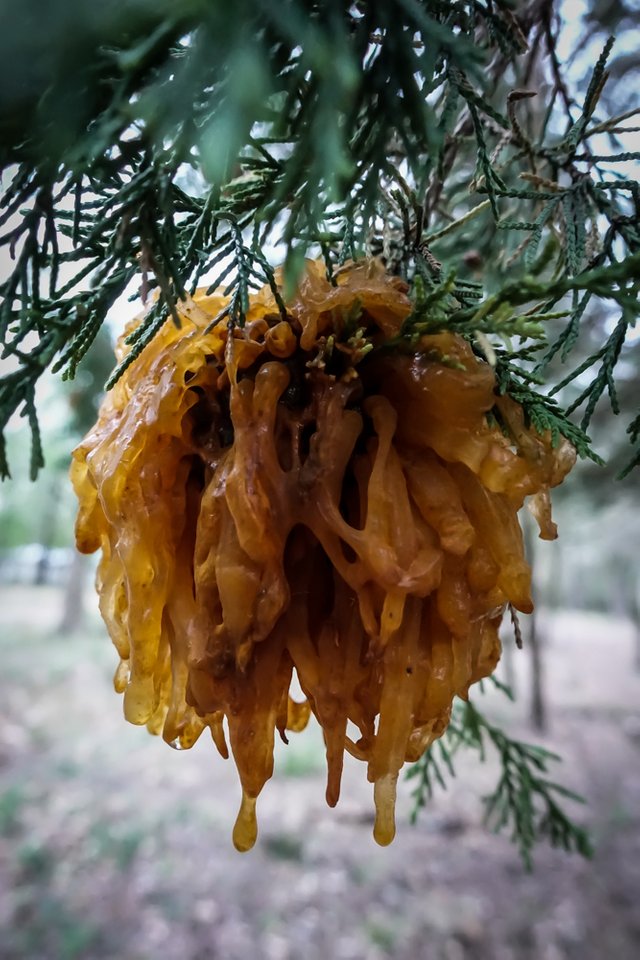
{"x":295,"y":495}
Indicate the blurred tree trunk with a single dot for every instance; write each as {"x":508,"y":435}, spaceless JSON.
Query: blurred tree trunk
{"x":628,"y":584}
{"x":538,"y":712}
{"x":621,"y":588}
{"x":47,"y":532}
{"x":625,"y":598}
{"x":73,"y":610}
{"x":508,"y":665}
{"x":538,"y":708}
{"x":635,"y":619}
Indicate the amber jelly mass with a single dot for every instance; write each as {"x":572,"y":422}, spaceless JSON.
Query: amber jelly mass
{"x":294,"y":495}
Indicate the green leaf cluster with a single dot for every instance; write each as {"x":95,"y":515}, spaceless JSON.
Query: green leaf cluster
{"x":148,"y":139}
{"x":525,"y":801}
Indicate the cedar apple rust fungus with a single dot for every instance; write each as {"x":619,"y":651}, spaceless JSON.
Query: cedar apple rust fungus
{"x":292,"y":495}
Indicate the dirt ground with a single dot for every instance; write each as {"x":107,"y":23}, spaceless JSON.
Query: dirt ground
{"x":114,"y":846}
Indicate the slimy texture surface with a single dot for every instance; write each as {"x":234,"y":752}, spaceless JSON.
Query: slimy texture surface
{"x":295,"y":495}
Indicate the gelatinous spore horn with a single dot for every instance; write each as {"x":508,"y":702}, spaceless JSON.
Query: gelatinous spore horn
{"x":291,"y":496}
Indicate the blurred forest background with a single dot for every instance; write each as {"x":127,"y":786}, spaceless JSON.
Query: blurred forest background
{"x":113,"y":846}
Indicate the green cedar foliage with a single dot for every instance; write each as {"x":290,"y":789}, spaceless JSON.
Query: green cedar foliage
{"x":525,"y":801}
{"x":347,"y":128}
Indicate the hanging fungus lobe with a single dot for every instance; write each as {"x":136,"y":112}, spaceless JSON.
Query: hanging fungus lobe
{"x":288,"y":497}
